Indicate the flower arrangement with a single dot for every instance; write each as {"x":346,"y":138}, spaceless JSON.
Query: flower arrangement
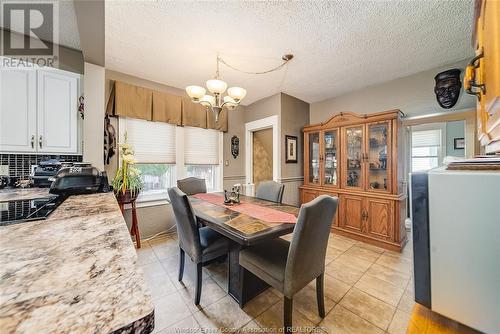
{"x":127,"y":177}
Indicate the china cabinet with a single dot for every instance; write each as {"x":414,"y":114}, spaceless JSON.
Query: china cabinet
{"x":355,"y":157}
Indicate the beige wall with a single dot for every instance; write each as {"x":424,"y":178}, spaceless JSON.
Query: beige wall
{"x":413,"y":95}
{"x":266,"y":107}
{"x":152,"y":220}
{"x":90,"y":20}
{"x":69,"y":59}
{"x":93,"y":123}
{"x":294,"y":116}
{"x":234,"y":168}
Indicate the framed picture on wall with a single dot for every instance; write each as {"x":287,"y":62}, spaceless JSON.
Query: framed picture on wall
{"x":459,"y":143}
{"x":291,"y":149}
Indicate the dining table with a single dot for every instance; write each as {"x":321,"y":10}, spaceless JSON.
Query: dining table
{"x":247,"y":223}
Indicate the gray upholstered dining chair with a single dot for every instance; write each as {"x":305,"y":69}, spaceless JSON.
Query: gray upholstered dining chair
{"x":201,"y":244}
{"x":192,"y":185}
{"x":290,"y":266}
{"x":271,"y":191}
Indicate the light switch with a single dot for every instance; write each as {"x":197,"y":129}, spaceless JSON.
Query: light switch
{"x":226,"y":163}
{"x":4,"y":169}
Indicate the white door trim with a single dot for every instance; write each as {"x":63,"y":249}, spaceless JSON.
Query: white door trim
{"x":261,"y":124}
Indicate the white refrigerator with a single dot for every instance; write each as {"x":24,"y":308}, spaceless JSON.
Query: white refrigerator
{"x":456,"y":240}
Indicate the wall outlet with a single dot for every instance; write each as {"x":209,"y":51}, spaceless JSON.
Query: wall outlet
{"x":4,"y":169}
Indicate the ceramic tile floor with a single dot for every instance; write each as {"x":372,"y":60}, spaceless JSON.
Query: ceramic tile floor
{"x":367,"y":290}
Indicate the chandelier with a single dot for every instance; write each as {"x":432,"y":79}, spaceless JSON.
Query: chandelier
{"x":216,"y":102}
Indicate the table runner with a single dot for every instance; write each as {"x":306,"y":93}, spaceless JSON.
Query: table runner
{"x":265,"y":214}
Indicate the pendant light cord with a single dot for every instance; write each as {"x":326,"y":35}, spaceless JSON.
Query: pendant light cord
{"x":285,"y":58}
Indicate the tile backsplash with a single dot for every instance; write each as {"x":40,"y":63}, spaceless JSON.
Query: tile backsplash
{"x":20,"y":164}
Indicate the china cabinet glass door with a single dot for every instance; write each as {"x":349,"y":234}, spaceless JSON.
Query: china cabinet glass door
{"x":329,"y":158}
{"x":314,"y":158}
{"x":353,"y":157}
{"x":378,"y":151}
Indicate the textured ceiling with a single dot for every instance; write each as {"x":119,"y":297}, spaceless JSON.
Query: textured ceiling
{"x":339,"y":46}
{"x":68,"y":29}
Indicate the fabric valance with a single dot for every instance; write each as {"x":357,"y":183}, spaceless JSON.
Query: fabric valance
{"x":143,"y":103}
{"x":221,"y":124}
{"x":133,"y":101}
{"x":193,"y":114}
{"x":167,"y":108}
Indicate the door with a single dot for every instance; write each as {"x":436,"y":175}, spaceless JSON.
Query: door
{"x":308,"y":195}
{"x":57,"y":112}
{"x":378,"y":152}
{"x":352,"y":213}
{"x":262,"y":156}
{"x":337,"y":214}
{"x":379,"y":215}
{"x":312,"y":158}
{"x":17,"y":110}
{"x":353,"y":157}
{"x":329,"y":158}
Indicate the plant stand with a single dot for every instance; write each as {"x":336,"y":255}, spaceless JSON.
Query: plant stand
{"x":134,"y":229}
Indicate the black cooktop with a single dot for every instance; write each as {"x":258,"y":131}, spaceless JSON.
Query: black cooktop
{"x":20,"y":211}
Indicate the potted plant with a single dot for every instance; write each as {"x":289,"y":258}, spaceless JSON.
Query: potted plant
{"x":127,"y":182}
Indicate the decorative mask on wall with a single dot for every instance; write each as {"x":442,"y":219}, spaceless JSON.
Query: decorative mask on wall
{"x":235,"y":146}
{"x":448,"y":87}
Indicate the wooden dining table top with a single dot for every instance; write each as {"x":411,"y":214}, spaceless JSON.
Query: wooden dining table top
{"x":240,"y":227}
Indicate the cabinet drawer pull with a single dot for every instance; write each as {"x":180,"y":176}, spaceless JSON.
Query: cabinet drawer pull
{"x":33,"y":141}
{"x":40,"y":141}
{"x":470,"y":77}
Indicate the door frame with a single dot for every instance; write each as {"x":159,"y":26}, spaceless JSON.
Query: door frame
{"x":271,"y":122}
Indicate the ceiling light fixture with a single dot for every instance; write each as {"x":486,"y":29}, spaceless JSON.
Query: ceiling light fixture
{"x":216,"y":101}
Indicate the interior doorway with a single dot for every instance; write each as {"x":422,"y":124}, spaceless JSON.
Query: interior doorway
{"x":262,"y":156}
{"x":430,"y":143}
{"x":271,"y":124}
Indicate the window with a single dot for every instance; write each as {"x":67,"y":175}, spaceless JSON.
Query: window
{"x":154,"y":146}
{"x":201,"y":155}
{"x":165,"y":153}
{"x":157,"y":179}
{"x":426,"y":147}
{"x":208,"y":172}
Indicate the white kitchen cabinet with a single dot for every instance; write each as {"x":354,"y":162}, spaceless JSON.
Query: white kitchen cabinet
{"x":57,"y":122}
{"x":38,"y":111}
{"x":18,"y":110}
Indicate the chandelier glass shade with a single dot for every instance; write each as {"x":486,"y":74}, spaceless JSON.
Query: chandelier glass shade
{"x":215,"y":101}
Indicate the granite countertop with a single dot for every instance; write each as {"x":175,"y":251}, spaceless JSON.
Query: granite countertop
{"x":75,"y":272}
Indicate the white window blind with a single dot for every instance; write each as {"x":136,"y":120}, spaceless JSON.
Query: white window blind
{"x":426,"y":138}
{"x":426,"y":149}
{"x":153,"y":142}
{"x":201,"y":146}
